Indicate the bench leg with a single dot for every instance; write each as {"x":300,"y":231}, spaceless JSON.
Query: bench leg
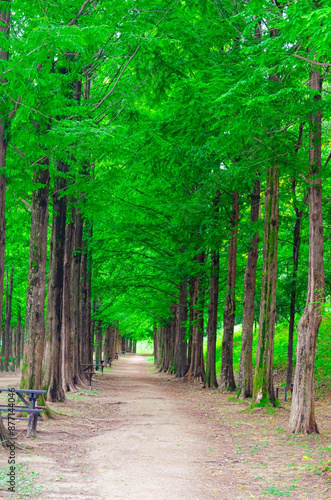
{"x":285,"y":394}
{"x":277,"y":393}
{"x":34,"y":425}
{"x":29,"y":426}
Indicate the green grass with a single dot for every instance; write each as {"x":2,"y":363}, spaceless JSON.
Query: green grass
{"x":26,"y":482}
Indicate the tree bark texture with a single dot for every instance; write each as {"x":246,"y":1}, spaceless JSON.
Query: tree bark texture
{"x":18,"y":338}
{"x":296,"y":248}
{"x":83,"y":316}
{"x":210,"y":377}
{"x":55,"y":290}
{"x":7,"y":336}
{"x":197,"y":369}
{"x":246,"y":369}
{"x":229,"y":317}
{"x":263,"y":389}
{"x":98,"y":342}
{"x":181,"y":345}
{"x":302,"y":417}
{"x":67,"y":373}
{"x":109,"y":332}
{"x":75,"y":294}
{"x":32,"y":373}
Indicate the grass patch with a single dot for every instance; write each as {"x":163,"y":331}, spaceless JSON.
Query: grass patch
{"x":26,"y":482}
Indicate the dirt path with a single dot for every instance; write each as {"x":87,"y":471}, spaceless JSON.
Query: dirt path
{"x":145,"y":435}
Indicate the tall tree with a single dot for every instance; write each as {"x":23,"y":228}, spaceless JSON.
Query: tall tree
{"x":302,"y":417}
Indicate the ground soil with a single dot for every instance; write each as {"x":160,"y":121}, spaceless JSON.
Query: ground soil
{"x":144,"y":435}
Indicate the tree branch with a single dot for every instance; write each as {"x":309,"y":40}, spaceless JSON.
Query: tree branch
{"x":317,"y":63}
{"x":80,"y":12}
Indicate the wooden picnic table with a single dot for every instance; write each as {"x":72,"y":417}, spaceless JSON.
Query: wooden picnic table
{"x":28,"y":406}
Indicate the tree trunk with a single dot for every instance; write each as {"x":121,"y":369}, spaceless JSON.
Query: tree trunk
{"x":134,"y":347}
{"x":107,"y":344}
{"x":196,"y":369}
{"x":83,"y":324}
{"x":98,"y":342}
{"x":32,"y":372}
{"x":18,"y":338}
{"x":67,"y":374}
{"x":172,"y":340}
{"x":54,"y":383}
{"x":246,"y":369}
{"x":8,"y":336}
{"x":210,"y":377}
{"x":302,"y":418}
{"x":88,"y":302}
{"x":4,"y":137}
{"x":229,"y":318}
{"x":296,"y":248}
{"x":263,"y":389}
{"x":75,"y":295}
{"x":181,"y":347}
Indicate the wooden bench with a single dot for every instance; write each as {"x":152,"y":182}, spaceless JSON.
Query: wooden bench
{"x":28,"y":406}
{"x":286,"y":388}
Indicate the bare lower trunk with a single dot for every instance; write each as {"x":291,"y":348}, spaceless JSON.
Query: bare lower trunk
{"x":84,"y":327}
{"x":32,"y":373}
{"x":263,"y":390}
{"x":296,"y":248}
{"x":67,"y":373}
{"x":246,"y":370}
{"x":172,"y":340}
{"x":18,"y":338}
{"x":98,"y":342}
{"x":229,"y":317}
{"x":302,"y":418}
{"x":7,"y":336}
{"x":210,"y":377}
{"x":54,"y":383}
{"x":196,"y":368}
{"x":181,"y":347}
{"x":107,"y":343}
{"x":75,"y":295}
